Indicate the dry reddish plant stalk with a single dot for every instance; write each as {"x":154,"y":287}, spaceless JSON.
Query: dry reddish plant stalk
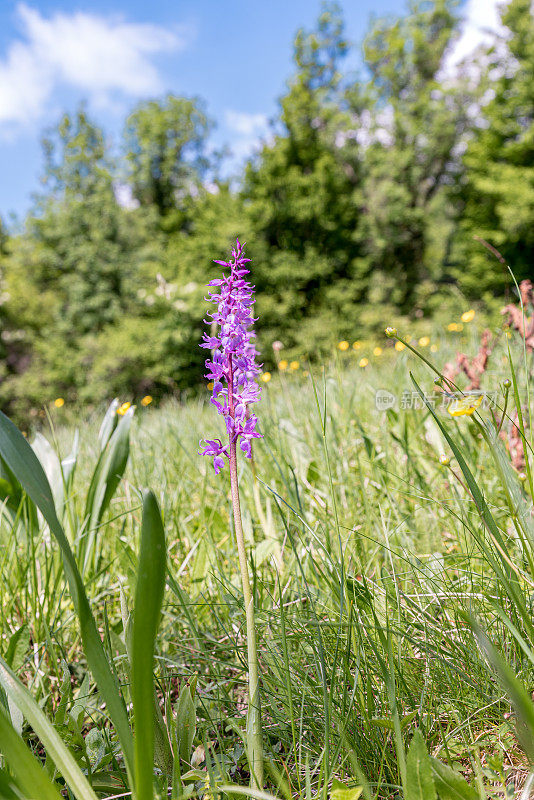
{"x":474,"y":368}
{"x":515,"y":445}
{"x":517,"y":315}
{"x":521,"y":319}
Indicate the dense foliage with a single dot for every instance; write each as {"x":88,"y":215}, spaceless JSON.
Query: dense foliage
{"x":361,"y":207}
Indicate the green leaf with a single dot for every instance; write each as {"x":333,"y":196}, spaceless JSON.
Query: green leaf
{"x":55,"y":748}
{"x":108,"y":472}
{"x":341,"y":792}
{"x":52,"y":467}
{"x":81,"y":703}
{"x":65,"y":695}
{"x":28,"y":772}
{"x":109,"y":423}
{"x":8,"y":789}
{"x":68,"y":465}
{"x":10,"y":490}
{"x":18,"y":647}
{"x":96,"y":746}
{"x":163,"y":754}
{"x":186,"y":723}
{"x":451,"y":785}
{"x":419,"y":781}
{"x":26,"y":467}
{"x":146,"y":615}
{"x":162,"y":747}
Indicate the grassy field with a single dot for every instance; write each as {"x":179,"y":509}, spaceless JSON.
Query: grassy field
{"x":392,"y":574}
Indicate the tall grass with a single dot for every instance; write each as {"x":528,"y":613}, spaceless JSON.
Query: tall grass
{"x":393,"y":595}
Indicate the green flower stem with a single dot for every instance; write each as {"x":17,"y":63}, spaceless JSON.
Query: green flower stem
{"x":254,"y":733}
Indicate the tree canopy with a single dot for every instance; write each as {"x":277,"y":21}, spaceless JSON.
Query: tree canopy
{"x":363,"y":203}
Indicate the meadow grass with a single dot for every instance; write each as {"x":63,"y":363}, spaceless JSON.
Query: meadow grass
{"x":393,"y":594}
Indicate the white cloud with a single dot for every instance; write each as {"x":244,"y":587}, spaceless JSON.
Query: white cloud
{"x":247,"y":131}
{"x":97,"y":55}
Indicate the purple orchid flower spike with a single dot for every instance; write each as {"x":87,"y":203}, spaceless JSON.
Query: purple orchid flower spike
{"x":232,"y":367}
{"x":233,"y":370}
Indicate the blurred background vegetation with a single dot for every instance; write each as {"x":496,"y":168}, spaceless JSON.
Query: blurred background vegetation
{"x":359,"y":211}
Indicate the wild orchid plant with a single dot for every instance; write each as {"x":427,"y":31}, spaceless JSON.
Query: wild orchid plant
{"x":233,"y":370}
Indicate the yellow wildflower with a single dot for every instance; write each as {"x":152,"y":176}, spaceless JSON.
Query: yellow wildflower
{"x":363,"y":362}
{"x":210,"y":385}
{"x":399,"y":346}
{"x":465,"y":406}
{"x":452,"y":326}
{"x":356,"y":345}
{"x":147,"y":399}
{"x":294,"y":365}
{"x":434,"y":348}
{"x":468,"y":316}
{"x":282,"y":365}
{"x":343,"y":346}
{"x":377,"y":351}
{"x":123,"y":409}
{"x":208,"y":794}
{"x":424,"y":341}
{"x":58,"y":402}
{"x":266,"y":377}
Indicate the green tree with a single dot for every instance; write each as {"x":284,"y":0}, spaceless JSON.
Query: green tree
{"x":71,"y":273}
{"x":156,"y":349}
{"x":497,"y":189}
{"x":301,"y":198}
{"x":165,"y":143}
{"x":85,"y":240}
{"x":417,"y":120}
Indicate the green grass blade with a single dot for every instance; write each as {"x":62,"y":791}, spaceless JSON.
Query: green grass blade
{"x":505,"y":572}
{"x":146,"y":615}
{"x":48,"y":735}
{"x":520,"y":698}
{"x":26,"y":467}
{"x":30,"y":775}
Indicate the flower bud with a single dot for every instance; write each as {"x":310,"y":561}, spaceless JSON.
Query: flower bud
{"x":507,"y":383}
{"x":391,"y":332}
{"x":444,"y":460}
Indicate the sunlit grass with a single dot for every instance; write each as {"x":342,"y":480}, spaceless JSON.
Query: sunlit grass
{"x":370,"y":558}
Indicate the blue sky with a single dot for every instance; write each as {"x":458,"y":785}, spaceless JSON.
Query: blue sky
{"x":235,"y":54}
